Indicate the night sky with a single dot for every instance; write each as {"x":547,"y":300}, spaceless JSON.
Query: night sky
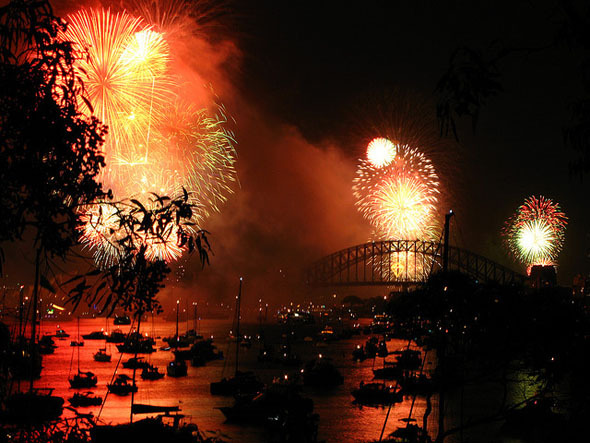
{"x":310,"y":83}
{"x":318,"y":77}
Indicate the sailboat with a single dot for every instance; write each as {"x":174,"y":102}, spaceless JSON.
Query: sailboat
{"x":178,"y":341}
{"x":241,"y":382}
{"x":82,"y":380}
{"x":102,"y":356}
{"x":77,"y":342}
{"x":38,"y":404}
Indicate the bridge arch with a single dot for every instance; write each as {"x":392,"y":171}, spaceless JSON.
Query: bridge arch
{"x":402,"y":263}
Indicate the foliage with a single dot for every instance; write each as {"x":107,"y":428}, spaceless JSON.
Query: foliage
{"x":50,"y":154}
{"x":134,"y":280}
{"x":493,"y":334}
{"x":474,"y":75}
{"x":464,"y":89}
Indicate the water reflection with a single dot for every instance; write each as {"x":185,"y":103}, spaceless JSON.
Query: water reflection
{"x":340,"y":419}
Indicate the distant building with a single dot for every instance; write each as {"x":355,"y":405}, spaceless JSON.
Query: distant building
{"x":543,"y":277}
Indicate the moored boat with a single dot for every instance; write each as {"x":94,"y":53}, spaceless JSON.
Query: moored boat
{"x":121,"y":385}
{"x":242,"y":383}
{"x":151,"y":372}
{"x":177,"y":368}
{"x":122,"y":320}
{"x":36,"y":406}
{"x":83,"y":380}
{"x":83,"y":399}
{"x":102,"y":356}
{"x":321,"y":373}
{"x":96,"y":335}
{"x":135,"y":363}
{"x":376,"y":394}
{"x":117,"y":336}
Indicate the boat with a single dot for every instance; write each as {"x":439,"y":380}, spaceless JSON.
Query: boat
{"x":177,"y":368}
{"x":390,"y":372}
{"x":178,"y":341}
{"x":122,"y":320}
{"x":82,"y":399}
{"x":279,"y":407}
{"x":60,"y":333}
{"x":151,"y":372}
{"x":140,"y":408}
{"x":371,"y":347}
{"x":77,"y":342}
{"x":409,"y":359}
{"x":135,"y":363}
{"x":137,"y":345}
{"x":36,"y":406}
{"x":203,"y":351}
{"x":358,"y":354}
{"x":96,"y":335}
{"x":320,"y":372}
{"x":411,"y":433}
{"x":382,"y":350}
{"x":121,"y":385}
{"x":241,"y":382}
{"x":327,"y":333}
{"x":102,"y":356}
{"x":149,"y":430}
{"x":376,"y":394}
{"x":47,"y":345}
{"x":83,"y":380}
{"x":416,"y":384}
{"x":24,"y":359}
{"x":117,"y":336}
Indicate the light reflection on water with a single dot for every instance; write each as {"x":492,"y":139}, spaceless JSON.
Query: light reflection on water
{"x":340,"y":419}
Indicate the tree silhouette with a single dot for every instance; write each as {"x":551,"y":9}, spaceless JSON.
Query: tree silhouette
{"x":50,"y":153}
{"x":475,"y":75}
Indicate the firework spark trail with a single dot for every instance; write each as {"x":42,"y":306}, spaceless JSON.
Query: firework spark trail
{"x":154,"y":145}
{"x":535,"y":234}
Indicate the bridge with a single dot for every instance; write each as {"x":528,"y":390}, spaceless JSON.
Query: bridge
{"x":403,"y":263}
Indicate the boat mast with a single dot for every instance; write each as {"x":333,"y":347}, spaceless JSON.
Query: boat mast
{"x":195,"y":326}
{"x":78,"y":344}
{"x":177,"y":306}
{"x":34,"y":316}
{"x":238,"y":324}
{"x":140,"y":313}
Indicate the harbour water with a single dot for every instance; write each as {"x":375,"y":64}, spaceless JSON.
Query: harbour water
{"x":340,"y":420}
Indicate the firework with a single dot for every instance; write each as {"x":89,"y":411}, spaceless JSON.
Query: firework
{"x":380,"y":152}
{"x":399,"y":199}
{"x":100,"y":232}
{"x":402,"y":266}
{"x":157,"y":142}
{"x":535,"y":234}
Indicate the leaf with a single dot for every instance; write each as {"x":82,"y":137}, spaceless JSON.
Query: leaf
{"x":73,"y":279}
{"x":138,"y":204}
{"x":45,"y":284}
{"x":87,"y":103}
